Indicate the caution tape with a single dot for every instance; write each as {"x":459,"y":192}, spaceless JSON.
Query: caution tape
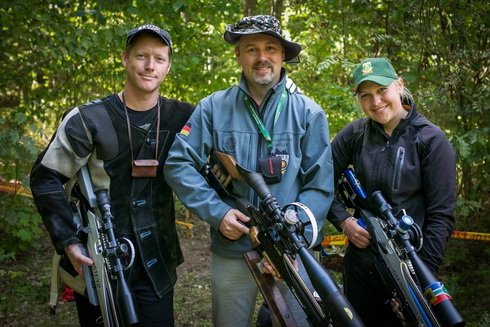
{"x":339,"y":240}
{"x":18,"y":189}
{"x":15,"y":188}
{"x":184,"y":224}
{"x":471,"y":236}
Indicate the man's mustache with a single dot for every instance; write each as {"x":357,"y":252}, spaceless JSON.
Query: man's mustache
{"x":262,"y":64}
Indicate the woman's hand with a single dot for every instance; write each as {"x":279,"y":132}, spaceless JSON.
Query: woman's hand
{"x":359,"y":236}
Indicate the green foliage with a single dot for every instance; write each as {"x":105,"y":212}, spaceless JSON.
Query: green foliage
{"x":20,"y":225}
{"x":65,"y":53}
{"x":464,"y":273}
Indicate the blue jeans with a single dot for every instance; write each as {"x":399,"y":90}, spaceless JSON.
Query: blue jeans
{"x":234,"y":291}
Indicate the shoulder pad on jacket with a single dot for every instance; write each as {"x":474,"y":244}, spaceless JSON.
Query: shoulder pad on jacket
{"x":94,"y":102}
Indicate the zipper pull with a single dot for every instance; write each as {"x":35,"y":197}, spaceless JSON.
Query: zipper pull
{"x":386,"y":147}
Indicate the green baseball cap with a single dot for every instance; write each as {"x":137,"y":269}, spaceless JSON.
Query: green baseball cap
{"x":377,"y":70}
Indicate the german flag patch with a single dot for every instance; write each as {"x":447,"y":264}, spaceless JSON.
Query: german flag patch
{"x":186,"y":130}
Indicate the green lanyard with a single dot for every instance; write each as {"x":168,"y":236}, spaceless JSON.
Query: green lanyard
{"x":259,"y":122}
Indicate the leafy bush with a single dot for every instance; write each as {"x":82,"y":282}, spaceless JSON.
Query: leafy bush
{"x":20,"y":226}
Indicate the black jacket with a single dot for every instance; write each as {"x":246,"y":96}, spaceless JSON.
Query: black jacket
{"x":96,"y":135}
{"x":415,"y":169}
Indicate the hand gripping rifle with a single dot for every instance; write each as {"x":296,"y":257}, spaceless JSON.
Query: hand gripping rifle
{"x":277,"y":235}
{"x":421,"y":300}
{"x":110,"y":255}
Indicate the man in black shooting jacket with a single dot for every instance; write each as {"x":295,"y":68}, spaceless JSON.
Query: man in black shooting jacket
{"x":110,"y":136}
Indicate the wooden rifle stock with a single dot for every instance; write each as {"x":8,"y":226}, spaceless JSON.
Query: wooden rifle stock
{"x":279,"y":240}
{"x":271,"y":293}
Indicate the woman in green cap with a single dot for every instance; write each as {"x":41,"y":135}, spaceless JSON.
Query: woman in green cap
{"x":399,"y":152}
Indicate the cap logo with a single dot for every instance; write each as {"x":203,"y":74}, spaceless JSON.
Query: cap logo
{"x":149,"y":27}
{"x":367,"y":68}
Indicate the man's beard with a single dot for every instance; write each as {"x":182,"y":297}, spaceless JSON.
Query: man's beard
{"x":263,"y":79}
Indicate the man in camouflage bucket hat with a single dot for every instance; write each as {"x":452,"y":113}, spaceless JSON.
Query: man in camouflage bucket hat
{"x":259,"y":121}
{"x":261,"y":24}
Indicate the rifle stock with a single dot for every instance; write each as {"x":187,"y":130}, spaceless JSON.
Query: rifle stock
{"x":401,"y":267}
{"x":271,"y":293}
{"x":278,"y":237}
{"x":106,"y":251}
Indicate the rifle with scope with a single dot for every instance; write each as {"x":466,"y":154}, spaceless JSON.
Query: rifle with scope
{"x":278,"y":237}
{"x":422,"y":300}
{"x":111,"y":256}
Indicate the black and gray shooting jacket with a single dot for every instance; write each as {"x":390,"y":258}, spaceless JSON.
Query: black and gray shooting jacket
{"x":414,"y":168}
{"x":96,"y":135}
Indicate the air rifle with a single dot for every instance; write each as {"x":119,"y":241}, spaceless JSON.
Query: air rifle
{"x":422,"y":300}
{"x":278,"y":236}
{"x":111,"y":256}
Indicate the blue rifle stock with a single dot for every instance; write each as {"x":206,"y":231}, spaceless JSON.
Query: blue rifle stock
{"x":423,"y":300}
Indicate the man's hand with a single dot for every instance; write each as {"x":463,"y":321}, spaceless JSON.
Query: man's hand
{"x":76,"y":257}
{"x":356,"y":233}
{"x":232,"y":226}
{"x":267,"y":268}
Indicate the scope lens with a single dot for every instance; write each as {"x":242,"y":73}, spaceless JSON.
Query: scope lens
{"x":405,"y":223}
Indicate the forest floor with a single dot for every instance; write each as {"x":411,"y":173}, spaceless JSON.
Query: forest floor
{"x":25,"y":285}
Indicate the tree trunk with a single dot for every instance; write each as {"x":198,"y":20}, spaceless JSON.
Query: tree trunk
{"x":277,"y":8}
{"x":249,"y":7}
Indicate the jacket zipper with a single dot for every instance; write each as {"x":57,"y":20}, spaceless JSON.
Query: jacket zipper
{"x":400,"y":158}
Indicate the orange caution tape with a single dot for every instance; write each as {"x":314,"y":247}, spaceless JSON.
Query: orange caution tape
{"x":184,"y":224}
{"x":16,"y":188}
{"x":342,"y":239}
{"x":471,"y":236}
{"x":337,"y":240}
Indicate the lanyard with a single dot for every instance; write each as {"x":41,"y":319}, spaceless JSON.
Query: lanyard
{"x":259,"y":122}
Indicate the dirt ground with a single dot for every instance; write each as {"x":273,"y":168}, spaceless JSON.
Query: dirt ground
{"x":25,"y":285}
{"x":193,"y":293}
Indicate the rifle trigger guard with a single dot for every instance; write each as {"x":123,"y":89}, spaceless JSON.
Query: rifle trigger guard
{"x":311,"y":221}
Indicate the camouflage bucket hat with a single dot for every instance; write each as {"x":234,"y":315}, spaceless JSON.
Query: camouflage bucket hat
{"x":261,"y":24}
